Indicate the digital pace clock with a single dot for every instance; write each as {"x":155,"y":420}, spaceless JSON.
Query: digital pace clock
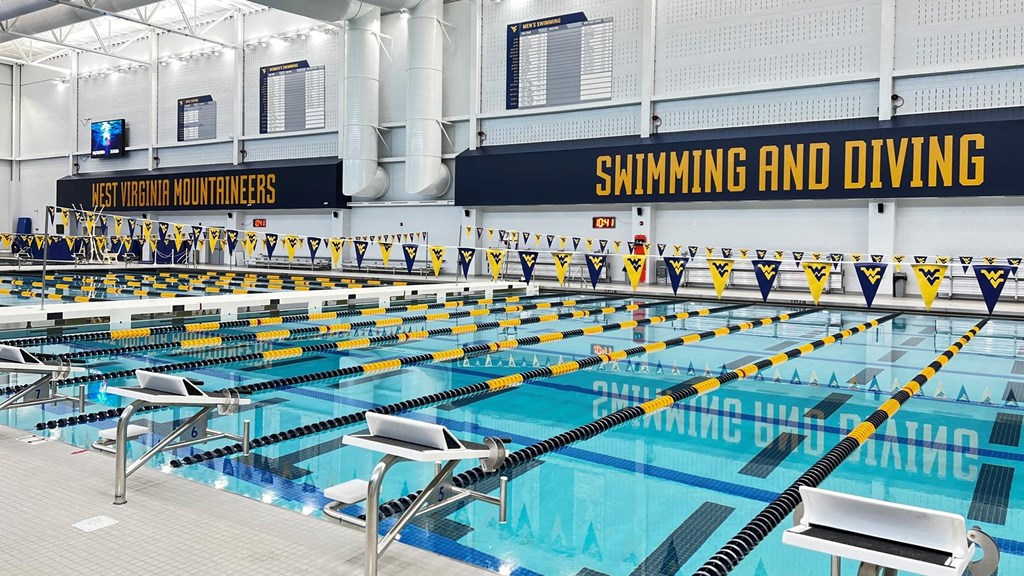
{"x":259,"y":222}
{"x":602,"y":222}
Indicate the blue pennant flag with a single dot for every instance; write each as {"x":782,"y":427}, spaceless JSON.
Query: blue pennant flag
{"x":675,"y":265}
{"x":360,"y":247}
{"x":870,"y":275}
{"x":409,"y":251}
{"x":693,"y":250}
{"x":51,"y":212}
{"x":313,"y":244}
{"x":1014,"y":264}
{"x":603,"y":244}
{"x":131,"y":227}
{"x":992,"y":280}
{"x":232,"y":240}
{"x":528,"y":258}
{"x":466,"y":260}
{"x":965,"y":262}
{"x":765,"y":271}
{"x":161,"y":230}
{"x":575,"y":244}
{"x":551,"y":239}
{"x":271,"y":243}
{"x":661,"y":249}
{"x":595,"y":265}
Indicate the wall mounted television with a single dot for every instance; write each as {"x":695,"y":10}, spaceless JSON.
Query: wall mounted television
{"x":109,"y":138}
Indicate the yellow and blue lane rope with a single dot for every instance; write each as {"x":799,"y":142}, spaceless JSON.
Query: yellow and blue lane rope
{"x":740,"y":545}
{"x":496,"y":384}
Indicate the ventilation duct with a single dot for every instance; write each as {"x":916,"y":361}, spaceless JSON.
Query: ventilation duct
{"x":425,"y":174}
{"x":14,"y":8}
{"x":362,"y":177}
{"x":59,"y":15}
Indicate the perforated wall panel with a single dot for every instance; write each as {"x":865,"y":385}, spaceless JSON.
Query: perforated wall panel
{"x":44,"y":116}
{"x":117,"y":95}
{"x":196,"y":155}
{"x":706,"y":46}
{"x":954,"y":34}
{"x":38,"y":184}
{"x":498,"y":15}
{"x":5,"y":111}
{"x":308,"y":146}
{"x":318,"y":49}
{"x":392,"y":70}
{"x":595,"y":123}
{"x":974,"y":90}
{"x":776,"y":107}
{"x":213,"y":75}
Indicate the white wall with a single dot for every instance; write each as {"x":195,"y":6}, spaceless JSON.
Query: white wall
{"x":712,"y":65}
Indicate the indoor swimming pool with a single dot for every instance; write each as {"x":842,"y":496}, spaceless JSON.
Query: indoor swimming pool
{"x":657,"y":495}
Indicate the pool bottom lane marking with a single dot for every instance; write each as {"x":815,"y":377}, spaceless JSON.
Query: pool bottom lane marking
{"x":624,"y":415}
{"x":737,"y":548}
{"x":510,"y":381}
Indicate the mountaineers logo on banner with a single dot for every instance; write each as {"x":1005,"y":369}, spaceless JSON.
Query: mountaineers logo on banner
{"x":562,"y":260}
{"x":929,"y":278}
{"x":876,"y":258}
{"x":465,"y":260}
{"x":385,"y":252}
{"x":336,"y":245}
{"x":817,"y":278}
{"x":596,"y":264}
{"x":870,"y":276}
{"x":992,"y":280}
{"x":675,"y":266}
{"x":744,"y":252}
{"x":920,"y":259}
{"x":528,"y":259}
{"x":249,"y":242}
{"x":214,"y":237}
{"x":634,"y":264}
{"x":270,"y":241}
{"x":765,"y":272}
{"x":856,"y":257}
{"x":410,"y":251}
{"x":720,"y":270}
{"x":710,"y":251}
{"x":965,"y":262}
{"x":479,"y":231}
{"x":291,"y":243}
{"x":313,"y":245}
{"x":232,"y":239}
{"x":495,"y":258}
{"x":436,"y":258}
{"x":761,"y":254}
{"x":179,"y":236}
{"x":727,"y":252}
{"x":161,"y":231}
{"x":360,"y":248}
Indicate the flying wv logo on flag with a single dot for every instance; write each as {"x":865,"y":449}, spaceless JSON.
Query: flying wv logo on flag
{"x":819,"y":272}
{"x":872,"y":274}
{"x":931,"y":275}
{"x":768,"y":270}
{"x":994,"y":277}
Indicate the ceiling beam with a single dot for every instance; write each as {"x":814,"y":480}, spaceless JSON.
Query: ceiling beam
{"x":79,"y":48}
{"x":126,"y":18}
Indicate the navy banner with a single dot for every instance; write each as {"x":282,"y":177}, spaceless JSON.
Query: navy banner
{"x":870,"y":275}
{"x":360,"y":248}
{"x":765,"y":271}
{"x":595,"y":266}
{"x":528,"y":259}
{"x":270,"y":241}
{"x":948,"y":154}
{"x":313,"y":183}
{"x":465,"y":260}
{"x":314,"y":245}
{"x":991,"y":280}
{"x":409,"y":251}
{"x":232,"y":241}
{"x":675,"y":265}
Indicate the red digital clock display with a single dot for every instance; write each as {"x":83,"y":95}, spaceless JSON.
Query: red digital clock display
{"x":259,"y":222}
{"x":602,"y":222}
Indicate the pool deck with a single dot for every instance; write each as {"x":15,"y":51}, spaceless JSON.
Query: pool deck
{"x":169,"y":525}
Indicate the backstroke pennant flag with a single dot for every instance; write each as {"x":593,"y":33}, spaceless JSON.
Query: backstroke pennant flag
{"x":291,"y":243}
{"x":837,"y":259}
{"x":575,"y":243}
{"x":877,"y":257}
{"x":495,"y":258}
{"x":232,"y":239}
{"x":528,"y":259}
{"x":661,"y":249}
{"x":335,"y":244}
{"x":65,"y":217}
{"x":965,"y":262}
{"x":551,"y":240}
{"x":720,"y":270}
{"x":436,"y":258}
{"x":562,"y":260}
{"x":313,"y":245}
{"x":118,"y":222}
{"x":360,"y":248}
{"x":675,"y":266}
{"x":249,"y":243}
{"x":214,"y":237}
{"x":161,"y":231}
{"x":51,"y":213}
{"x":410,"y":251}
{"x":603,"y":244}
{"x":465,"y":260}
{"x":765,"y":271}
{"x":385,"y":252}
{"x":197,"y":232}
{"x":898,"y":259}
{"x":270,"y":241}
{"x":693,"y":251}
{"x":870,"y":275}
{"x":1014,"y":265}
{"x":179,"y":236}
{"x":929,"y":278}
{"x":634,"y":265}
{"x":991,"y":280}
{"x":817,"y":277}
{"x":595,"y":264}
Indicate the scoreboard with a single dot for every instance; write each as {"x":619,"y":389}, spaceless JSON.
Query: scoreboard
{"x":197,"y":118}
{"x":292,"y":97}
{"x":559,"y":60}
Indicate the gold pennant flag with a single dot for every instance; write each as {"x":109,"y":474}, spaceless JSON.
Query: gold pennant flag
{"x":857,"y":257}
{"x":336,"y":244}
{"x":118,"y":220}
{"x":70,"y":240}
{"x":437,"y":258}
{"x":249,"y":243}
{"x":65,"y":217}
{"x":39,"y":239}
{"x":561,"y":242}
{"x":90,"y":222}
{"x":6,"y":239}
{"x":589,"y":243}
{"x":634,"y":265}
{"x":101,"y":243}
{"x":617,"y":244}
{"x":214,"y":237}
{"x":469,"y":231}
{"x":720,"y":270}
{"x":817,"y":277}
{"x":711,"y":252}
{"x":562,"y":260}
{"x":929,"y":278}
{"x":290,"y":244}
{"x":385,"y":252}
{"x":898,"y":259}
{"x":490,"y":233}
{"x":495,"y":258}
{"x":179,"y":235}
{"x":147,"y":228}
{"x":677,"y":249}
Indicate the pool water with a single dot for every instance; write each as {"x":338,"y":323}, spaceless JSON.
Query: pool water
{"x":658,"y":495}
